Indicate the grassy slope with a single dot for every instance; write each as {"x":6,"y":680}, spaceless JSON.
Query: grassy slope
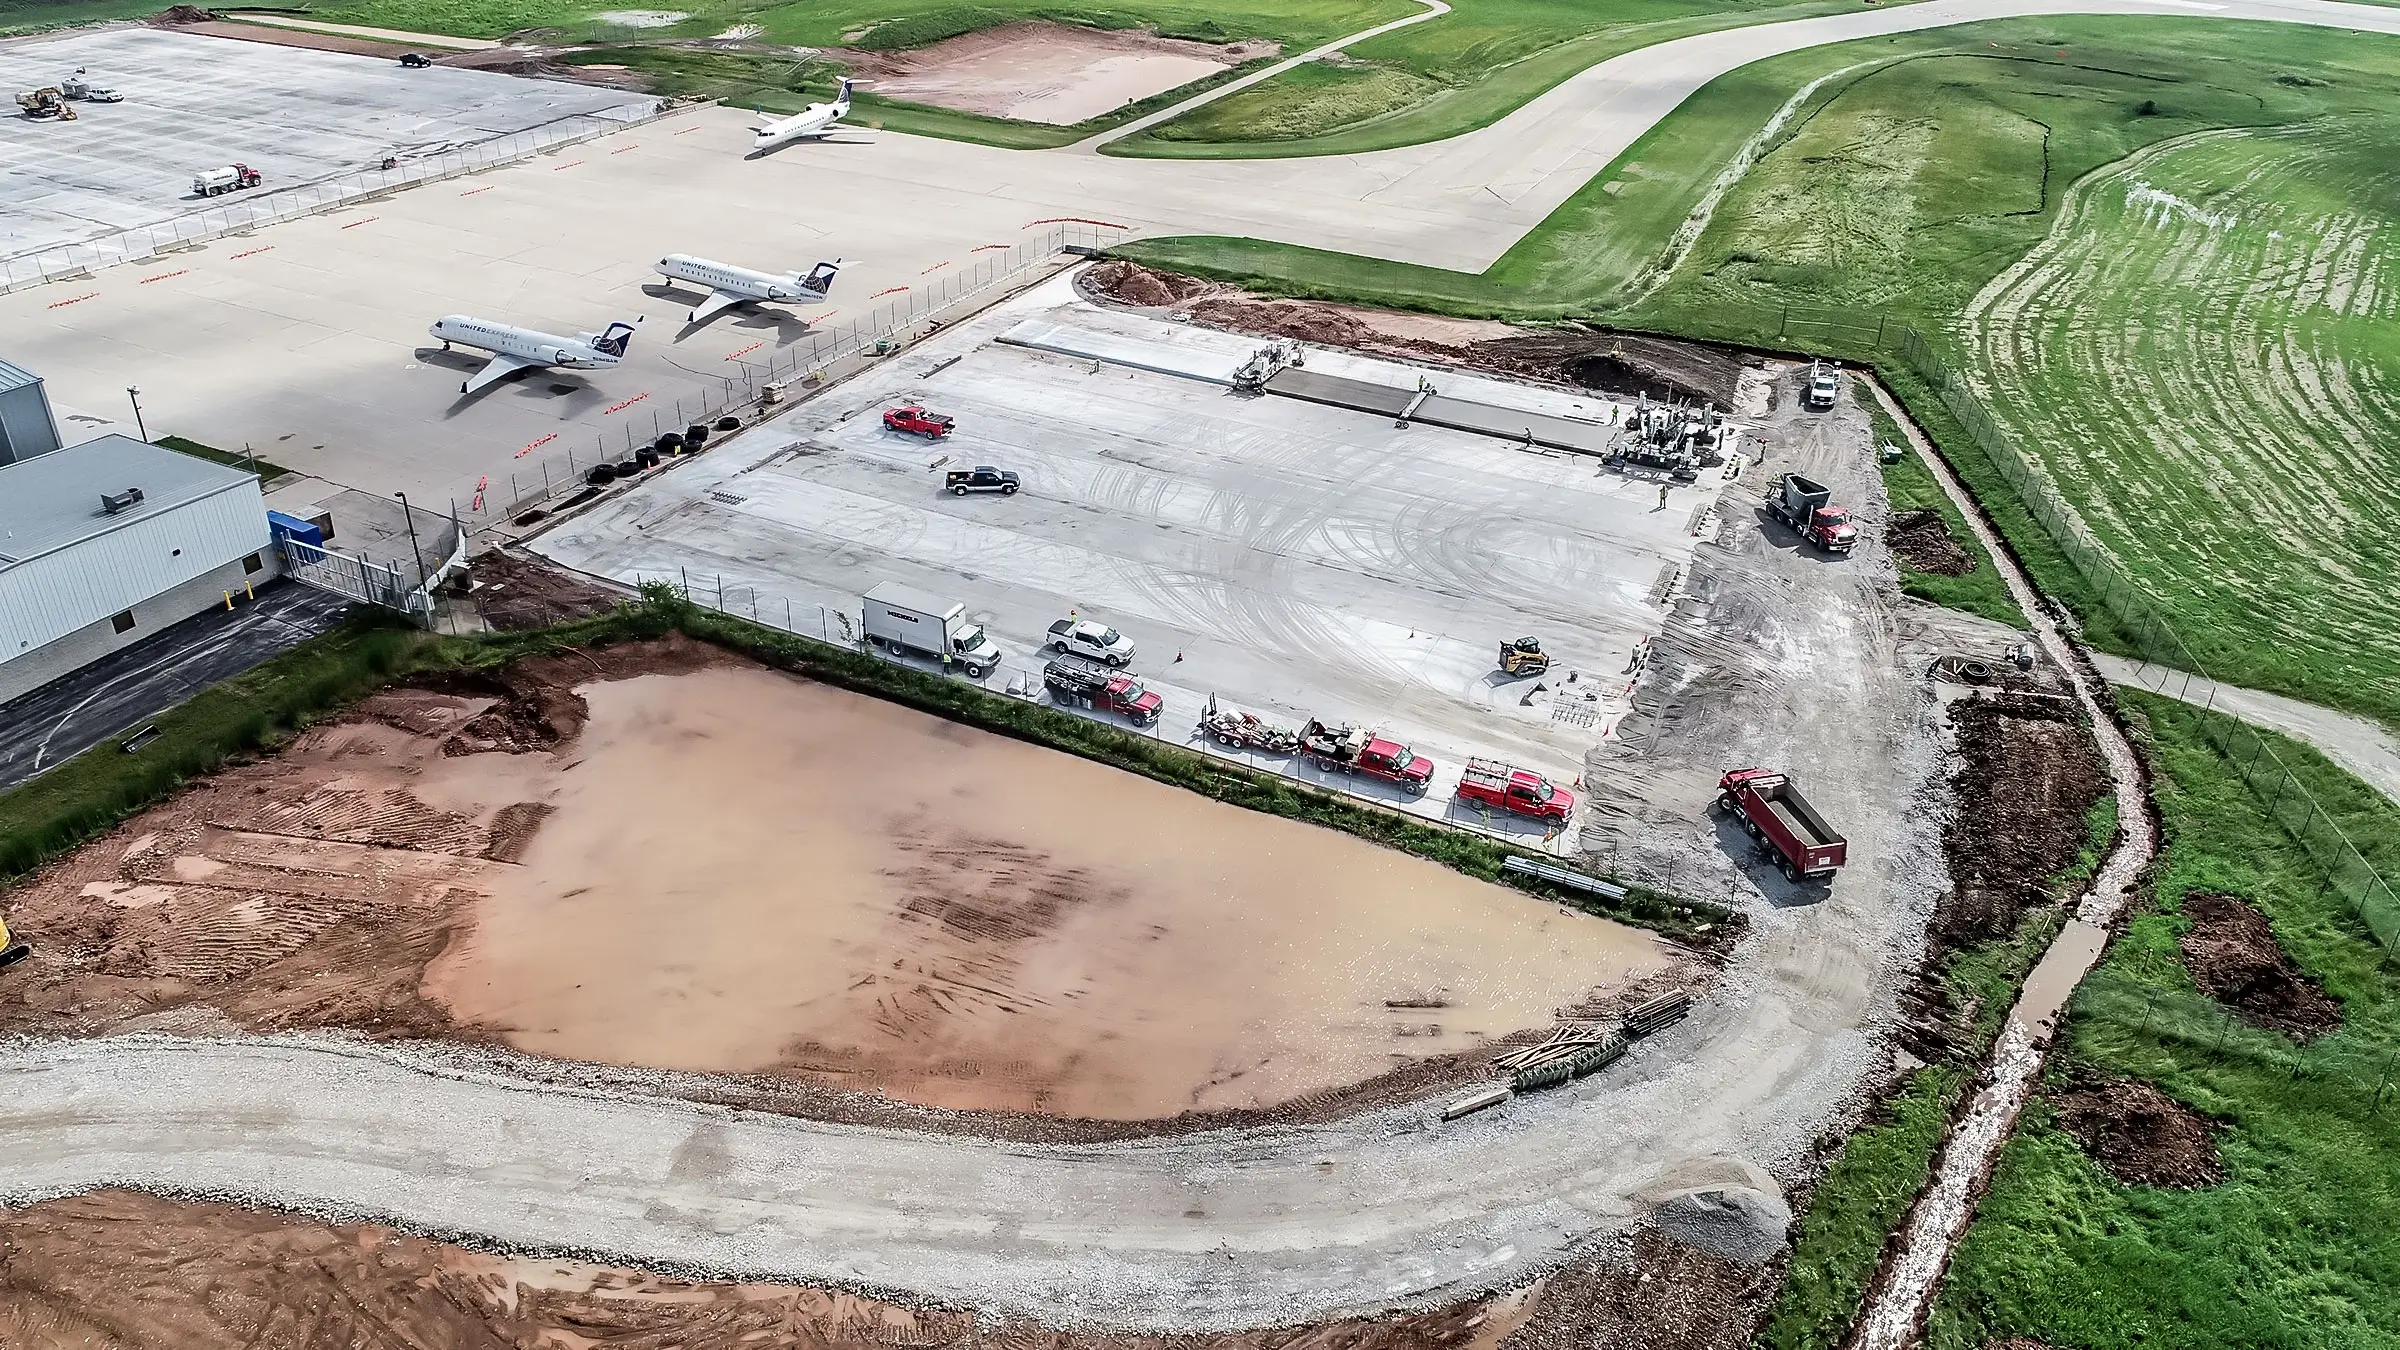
{"x":1484,"y":60}
{"x":28,"y":16}
{"x":779,"y":84}
{"x":1908,"y":184}
{"x":1911,"y":486}
{"x":2296,"y":1247}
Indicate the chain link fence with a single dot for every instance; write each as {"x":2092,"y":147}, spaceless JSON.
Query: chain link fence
{"x":1023,"y":679}
{"x":249,"y":210}
{"x":762,"y":384}
{"x":2369,"y":894}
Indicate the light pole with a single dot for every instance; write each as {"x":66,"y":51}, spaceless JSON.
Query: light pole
{"x":135,"y":394}
{"x":410,"y":517}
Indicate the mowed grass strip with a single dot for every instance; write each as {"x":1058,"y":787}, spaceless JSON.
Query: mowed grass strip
{"x":1447,"y":76}
{"x":2294,"y":1248}
{"x":1926,"y":167}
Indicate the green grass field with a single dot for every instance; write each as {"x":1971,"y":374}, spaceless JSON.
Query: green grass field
{"x":31,"y":16}
{"x":1465,"y":70}
{"x":904,"y":23}
{"x":2226,"y":432}
{"x":2295,"y":1248}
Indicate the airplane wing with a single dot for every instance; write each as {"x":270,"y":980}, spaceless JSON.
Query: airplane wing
{"x":716,"y":303}
{"x":498,"y":368}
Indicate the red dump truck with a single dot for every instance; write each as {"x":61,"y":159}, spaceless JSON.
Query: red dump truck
{"x":1807,"y":507}
{"x":1774,"y":813}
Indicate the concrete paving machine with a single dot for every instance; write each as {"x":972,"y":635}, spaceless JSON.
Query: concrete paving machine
{"x":1523,"y":657}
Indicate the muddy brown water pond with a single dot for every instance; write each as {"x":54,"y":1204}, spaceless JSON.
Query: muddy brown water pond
{"x":746,"y":872}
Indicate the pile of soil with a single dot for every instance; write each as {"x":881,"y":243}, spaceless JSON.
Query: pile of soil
{"x":175,"y":14}
{"x":1922,"y":541}
{"x":2028,"y":778}
{"x":2142,"y":1136}
{"x":119,"y":1269}
{"x":1668,"y":1297}
{"x":1619,"y":363}
{"x":2233,"y":955}
{"x":1130,"y":283}
{"x":515,"y":593}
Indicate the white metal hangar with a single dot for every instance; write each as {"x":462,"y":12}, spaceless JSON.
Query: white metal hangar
{"x":104,"y":543}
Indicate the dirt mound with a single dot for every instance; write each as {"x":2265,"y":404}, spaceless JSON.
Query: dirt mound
{"x":1669,"y":1297}
{"x":176,"y":14}
{"x":2029,"y":776}
{"x":1130,"y":283}
{"x":1281,"y":318}
{"x":516,"y":593}
{"x":1618,"y":363}
{"x":2141,"y":1135}
{"x":527,"y":714}
{"x":2232,"y":953}
{"x":1923,"y":541}
{"x":117,"y":1269}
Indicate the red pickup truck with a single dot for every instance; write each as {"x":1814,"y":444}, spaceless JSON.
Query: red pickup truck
{"x":1085,"y":683}
{"x":1492,"y":783}
{"x":1348,"y":749}
{"x":918,"y":422}
{"x":1774,"y":813}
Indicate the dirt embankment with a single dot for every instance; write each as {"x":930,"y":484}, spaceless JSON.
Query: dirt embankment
{"x":309,"y":890}
{"x":515,"y":593}
{"x":2028,"y":776}
{"x":2233,"y":955}
{"x":2141,"y":1135}
{"x":1615,"y":363}
{"x":1923,"y":542}
{"x":119,"y":1270}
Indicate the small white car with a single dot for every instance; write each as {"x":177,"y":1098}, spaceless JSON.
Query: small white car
{"x":1096,"y":640}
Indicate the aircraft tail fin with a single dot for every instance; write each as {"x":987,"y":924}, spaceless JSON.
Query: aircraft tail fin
{"x":841,"y":101}
{"x":615,"y":338}
{"x":819,"y":280}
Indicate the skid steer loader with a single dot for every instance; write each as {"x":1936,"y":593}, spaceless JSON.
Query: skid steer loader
{"x":1523,"y":657}
{"x":11,"y":952}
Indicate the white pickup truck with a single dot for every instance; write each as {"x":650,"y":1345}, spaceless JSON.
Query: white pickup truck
{"x":1095,"y":640}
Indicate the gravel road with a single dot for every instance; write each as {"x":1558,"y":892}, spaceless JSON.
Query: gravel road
{"x":1199,"y":1232}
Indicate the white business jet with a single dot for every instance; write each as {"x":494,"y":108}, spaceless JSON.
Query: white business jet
{"x":818,"y":119}
{"x":729,"y":285}
{"x":515,"y":349}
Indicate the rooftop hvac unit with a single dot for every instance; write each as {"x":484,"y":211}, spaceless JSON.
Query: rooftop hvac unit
{"x":113,"y":502}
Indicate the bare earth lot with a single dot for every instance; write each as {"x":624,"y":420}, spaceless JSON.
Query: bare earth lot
{"x":727,"y":870}
{"x":1046,"y":72}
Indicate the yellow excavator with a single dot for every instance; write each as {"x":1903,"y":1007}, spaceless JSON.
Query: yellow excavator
{"x":11,"y":952}
{"x":45,"y":104}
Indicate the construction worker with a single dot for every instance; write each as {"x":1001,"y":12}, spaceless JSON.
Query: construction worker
{"x":1662,"y":496}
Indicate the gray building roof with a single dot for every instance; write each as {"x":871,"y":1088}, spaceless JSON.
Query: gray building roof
{"x":16,"y":377}
{"x":53,"y":500}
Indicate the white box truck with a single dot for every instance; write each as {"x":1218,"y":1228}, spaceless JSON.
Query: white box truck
{"x":904,"y":619}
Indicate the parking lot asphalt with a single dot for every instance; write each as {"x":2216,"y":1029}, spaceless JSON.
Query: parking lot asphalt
{"x":1289,"y":558}
{"x":61,"y":720}
{"x":193,"y":103}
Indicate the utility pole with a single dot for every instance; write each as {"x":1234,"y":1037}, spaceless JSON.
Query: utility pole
{"x":135,"y":394}
{"x":411,"y":518}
